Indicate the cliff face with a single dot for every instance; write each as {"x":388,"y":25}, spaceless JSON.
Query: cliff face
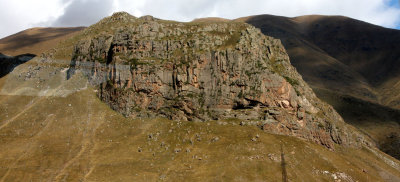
{"x":197,"y":71}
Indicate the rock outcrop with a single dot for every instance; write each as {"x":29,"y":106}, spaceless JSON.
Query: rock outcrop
{"x":148,"y":67}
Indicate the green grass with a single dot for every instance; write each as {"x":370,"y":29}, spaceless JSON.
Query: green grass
{"x":233,"y":39}
{"x":292,"y":81}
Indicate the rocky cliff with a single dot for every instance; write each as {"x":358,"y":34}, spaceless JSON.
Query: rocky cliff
{"x":146,"y":67}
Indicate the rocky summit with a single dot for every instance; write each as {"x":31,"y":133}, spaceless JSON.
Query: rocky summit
{"x":146,"y":67}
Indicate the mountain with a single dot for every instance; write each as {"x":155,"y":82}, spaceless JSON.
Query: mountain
{"x":95,"y":108}
{"x":145,"y":67}
{"x":348,"y":63}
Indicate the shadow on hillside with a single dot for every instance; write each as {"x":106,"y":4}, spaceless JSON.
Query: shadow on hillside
{"x":341,"y":55}
{"x":27,"y":38}
{"x":8,"y":63}
{"x":380,"y":123}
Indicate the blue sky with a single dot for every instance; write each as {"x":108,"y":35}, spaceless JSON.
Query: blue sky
{"x":396,"y":4}
{"x":18,"y":15}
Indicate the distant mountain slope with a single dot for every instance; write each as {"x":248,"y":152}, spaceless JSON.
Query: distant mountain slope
{"x":210,"y":19}
{"x":35,"y":40}
{"x":370,"y":50}
{"x":339,"y":53}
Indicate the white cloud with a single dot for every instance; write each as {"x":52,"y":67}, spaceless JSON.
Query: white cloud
{"x":374,"y":11}
{"x":17,"y":15}
{"x":133,"y":7}
{"x":84,"y":12}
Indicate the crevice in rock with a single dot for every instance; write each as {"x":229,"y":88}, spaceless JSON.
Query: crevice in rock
{"x":110,"y":54}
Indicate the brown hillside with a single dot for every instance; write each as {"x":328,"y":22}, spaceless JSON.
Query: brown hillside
{"x":368,"y":49}
{"x":210,"y":19}
{"x":35,"y":40}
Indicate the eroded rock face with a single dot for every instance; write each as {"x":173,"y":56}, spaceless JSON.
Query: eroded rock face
{"x":200,"y":72}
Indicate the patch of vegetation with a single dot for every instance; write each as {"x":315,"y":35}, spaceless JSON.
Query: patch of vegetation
{"x":100,"y":60}
{"x":178,"y":53}
{"x":250,"y":72}
{"x":297,"y":91}
{"x":233,"y":39}
{"x":278,"y":68}
{"x":137,"y":109}
{"x":192,"y":95}
{"x":110,"y":83}
{"x":134,"y":62}
{"x":260,"y":65}
{"x":241,"y":95}
{"x":291,"y":81}
{"x":201,"y":100}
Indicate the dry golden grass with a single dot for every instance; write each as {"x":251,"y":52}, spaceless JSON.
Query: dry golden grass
{"x":79,"y":138}
{"x":210,"y":19}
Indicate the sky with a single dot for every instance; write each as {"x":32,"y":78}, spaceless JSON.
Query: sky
{"x":18,"y":15}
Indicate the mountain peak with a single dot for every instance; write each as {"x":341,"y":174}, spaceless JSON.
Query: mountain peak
{"x":117,"y":17}
{"x":148,"y":18}
{"x":121,"y":15}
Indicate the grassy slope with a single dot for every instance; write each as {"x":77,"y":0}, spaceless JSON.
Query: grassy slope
{"x":88,"y":141}
{"x":35,"y":40}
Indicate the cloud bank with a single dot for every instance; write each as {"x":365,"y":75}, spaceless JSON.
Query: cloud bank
{"x":18,"y":15}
